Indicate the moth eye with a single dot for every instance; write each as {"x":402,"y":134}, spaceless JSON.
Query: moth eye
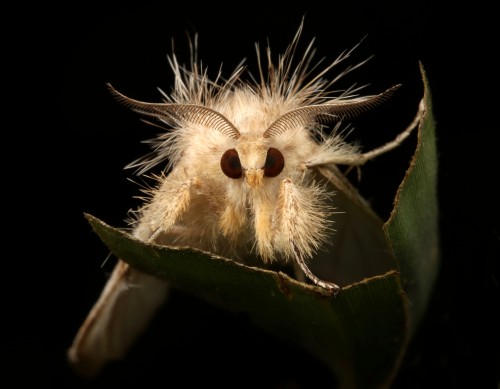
{"x":230,"y":164}
{"x":275,"y":162}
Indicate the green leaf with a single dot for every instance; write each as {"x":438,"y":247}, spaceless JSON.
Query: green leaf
{"x":362,"y":333}
{"x":334,"y":329}
{"x":412,"y":229}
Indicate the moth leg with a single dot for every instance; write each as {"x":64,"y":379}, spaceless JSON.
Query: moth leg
{"x":299,"y":273}
{"x":355,"y":159}
{"x":169,"y":204}
{"x":299,"y":227}
{"x":399,"y":139}
{"x":299,"y":260}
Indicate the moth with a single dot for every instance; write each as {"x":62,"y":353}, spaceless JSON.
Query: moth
{"x":246,"y":168}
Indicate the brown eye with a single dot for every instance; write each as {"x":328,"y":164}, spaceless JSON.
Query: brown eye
{"x":274,"y":163}
{"x":230,"y":164}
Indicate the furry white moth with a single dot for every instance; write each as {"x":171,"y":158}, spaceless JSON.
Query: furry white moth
{"x":245,"y":169}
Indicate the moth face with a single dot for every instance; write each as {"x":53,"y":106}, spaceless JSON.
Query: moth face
{"x":253,"y":161}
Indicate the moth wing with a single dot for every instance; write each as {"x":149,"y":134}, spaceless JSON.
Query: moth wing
{"x":122,"y":312}
{"x":358,"y":248}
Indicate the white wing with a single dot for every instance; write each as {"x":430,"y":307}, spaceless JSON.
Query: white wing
{"x":358,"y":249}
{"x":122,"y":312}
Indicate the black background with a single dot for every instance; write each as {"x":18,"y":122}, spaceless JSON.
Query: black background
{"x":68,"y":141}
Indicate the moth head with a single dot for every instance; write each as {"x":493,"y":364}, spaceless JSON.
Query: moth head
{"x":252,"y":160}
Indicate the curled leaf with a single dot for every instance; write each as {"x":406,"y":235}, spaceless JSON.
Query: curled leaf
{"x":362,"y":333}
